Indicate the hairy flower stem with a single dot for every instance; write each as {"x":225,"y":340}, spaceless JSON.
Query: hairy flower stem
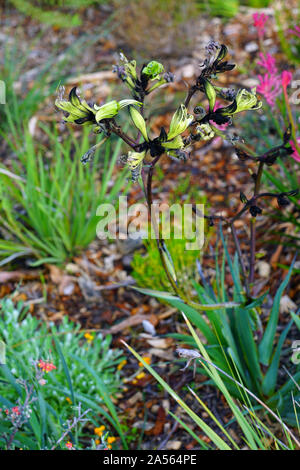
{"x":148,"y":193}
{"x":190,"y":94}
{"x":147,"y":182}
{"x":118,"y":131}
{"x":252,"y":225}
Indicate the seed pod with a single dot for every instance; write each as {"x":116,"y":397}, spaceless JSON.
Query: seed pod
{"x":210,"y":93}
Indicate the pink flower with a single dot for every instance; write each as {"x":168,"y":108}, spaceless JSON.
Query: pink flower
{"x":15,"y":409}
{"x":295,"y":155}
{"x":260,"y":20}
{"x":268,"y":63}
{"x":295,"y":31}
{"x":269,"y":87}
{"x":46,"y":366}
{"x":69,"y":445}
{"x":286,"y":78}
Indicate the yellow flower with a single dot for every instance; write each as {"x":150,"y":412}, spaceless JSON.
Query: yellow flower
{"x":122,"y":364}
{"x":141,"y":375}
{"x":69,"y":400}
{"x":88,"y":337}
{"x":110,"y":440}
{"x":147,"y":360}
{"x":99,"y":431}
{"x":97,"y":442}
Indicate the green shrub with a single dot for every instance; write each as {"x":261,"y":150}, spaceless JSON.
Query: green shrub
{"x":62,"y":13}
{"x":48,"y":207}
{"x":254,"y":432}
{"x":148,"y":272}
{"x":236,"y":338}
{"x":86,"y":374}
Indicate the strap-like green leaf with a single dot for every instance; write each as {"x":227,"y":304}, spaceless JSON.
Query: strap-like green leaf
{"x":266,"y":345}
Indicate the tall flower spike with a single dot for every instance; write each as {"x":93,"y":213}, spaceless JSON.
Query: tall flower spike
{"x":76,"y":110}
{"x":180,"y":122}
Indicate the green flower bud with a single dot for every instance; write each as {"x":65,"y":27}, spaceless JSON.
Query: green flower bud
{"x":77,"y":111}
{"x":107,"y":110}
{"x":130,"y":66}
{"x":135,"y":163}
{"x":222,"y":54}
{"x":130,"y":82}
{"x":153,"y":70}
{"x":180,"y":122}
{"x":139,"y":122}
{"x":206,"y":131}
{"x":111,"y":109}
{"x":210,"y":93}
{"x":129,"y":102}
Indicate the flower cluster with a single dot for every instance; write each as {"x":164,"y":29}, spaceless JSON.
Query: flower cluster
{"x":295,"y":31}
{"x":89,"y":337}
{"x":46,"y":366}
{"x":295,"y":154}
{"x":106,"y":440}
{"x":260,"y":20}
{"x":78,"y":111}
{"x":140,"y":84}
{"x":17,"y":414}
{"x":169,"y":142}
{"x":271,"y":83}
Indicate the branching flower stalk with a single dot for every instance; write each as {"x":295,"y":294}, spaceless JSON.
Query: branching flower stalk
{"x":184,"y":130}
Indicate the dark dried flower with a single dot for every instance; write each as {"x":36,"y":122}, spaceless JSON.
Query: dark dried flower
{"x":169,"y":77}
{"x":282,"y":200}
{"x":255,"y":210}
{"x":242,"y":156}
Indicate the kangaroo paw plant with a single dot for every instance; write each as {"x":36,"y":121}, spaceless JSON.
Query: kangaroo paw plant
{"x":186,"y":128}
